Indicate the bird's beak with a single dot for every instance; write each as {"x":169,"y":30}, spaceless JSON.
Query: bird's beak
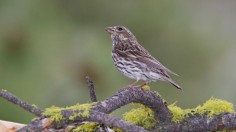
{"x":110,"y":30}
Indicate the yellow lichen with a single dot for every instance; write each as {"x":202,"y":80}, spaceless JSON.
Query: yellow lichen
{"x":141,"y":116}
{"x":215,"y":107}
{"x":34,"y":105}
{"x":87,"y":127}
{"x":4,"y":90}
{"x":84,"y":108}
{"x":178,"y":113}
{"x":146,"y":87}
{"x":55,"y":112}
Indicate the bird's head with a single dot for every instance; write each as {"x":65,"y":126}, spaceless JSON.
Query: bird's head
{"x":121,"y":32}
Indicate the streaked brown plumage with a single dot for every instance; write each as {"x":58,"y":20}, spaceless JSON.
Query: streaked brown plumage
{"x":134,"y":61}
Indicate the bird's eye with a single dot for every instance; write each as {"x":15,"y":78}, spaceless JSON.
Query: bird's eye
{"x":120,"y":28}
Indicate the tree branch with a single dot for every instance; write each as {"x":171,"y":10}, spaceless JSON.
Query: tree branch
{"x":95,"y":116}
{"x":100,"y":113}
{"x":224,"y":121}
{"x":137,"y":95}
{"x":91,"y":89}
{"x":15,"y":100}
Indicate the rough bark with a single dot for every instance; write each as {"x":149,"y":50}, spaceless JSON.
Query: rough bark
{"x":15,"y":100}
{"x":99,"y":113}
{"x":95,"y":116}
{"x":137,"y":95}
{"x":199,"y":123}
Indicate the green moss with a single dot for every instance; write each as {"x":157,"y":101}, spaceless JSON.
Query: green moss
{"x":87,"y":127}
{"x":178,"y":113}
{"x":55,"y":112}
{"x":85,"y":109}
{"x":212,"y":107}
{"x":215,"y":107}
{"x":146,"y":87}
{"x":142,"y":116}
{"x":34,"y":105}
{"x":4,"y":90}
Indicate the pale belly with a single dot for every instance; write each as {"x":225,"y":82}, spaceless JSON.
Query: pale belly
{"x":135,"y":70}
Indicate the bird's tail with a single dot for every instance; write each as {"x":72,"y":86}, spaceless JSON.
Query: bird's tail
{"x":172,"y":72}
{"x":173,"y":83}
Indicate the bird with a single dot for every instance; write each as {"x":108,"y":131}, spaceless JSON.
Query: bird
{"x":134,"y":61}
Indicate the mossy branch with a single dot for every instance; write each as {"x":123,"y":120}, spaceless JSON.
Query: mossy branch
{"x":136,"y":95}
{"x":153,"y":114}
{"x":200,"y":123}
{"x":94,"y":116}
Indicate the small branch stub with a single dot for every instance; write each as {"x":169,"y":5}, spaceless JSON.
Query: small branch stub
{"x":91,"y":89}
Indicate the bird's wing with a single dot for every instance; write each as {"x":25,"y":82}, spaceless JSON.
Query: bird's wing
{"x":136,"y":51}
{"x":154,"y":66}
{"x":149,"y":56}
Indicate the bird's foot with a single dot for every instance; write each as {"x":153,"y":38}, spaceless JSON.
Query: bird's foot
{"x":144,"y":86}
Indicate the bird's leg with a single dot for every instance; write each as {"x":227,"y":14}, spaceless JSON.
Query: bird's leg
{"x":142,"y":85}
{"x":132,"y":84}
{"x":146,"y":83}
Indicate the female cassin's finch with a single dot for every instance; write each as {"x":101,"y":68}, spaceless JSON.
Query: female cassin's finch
{"x":135,"y":62}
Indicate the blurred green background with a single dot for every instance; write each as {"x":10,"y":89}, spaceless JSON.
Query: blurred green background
{"x":48,"y":47}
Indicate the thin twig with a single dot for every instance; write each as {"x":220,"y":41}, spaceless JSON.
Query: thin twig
{"x":15,"y":100}
{"x":91,"y":89}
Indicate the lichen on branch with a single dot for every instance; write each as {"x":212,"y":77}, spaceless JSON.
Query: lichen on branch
{"x":153,"y":114}
{"x":55,"y":113}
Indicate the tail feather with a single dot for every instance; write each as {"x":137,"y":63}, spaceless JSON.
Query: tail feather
{"x":176,"y":85}
{"x":171,"y":72}
{"x":173,"y":83}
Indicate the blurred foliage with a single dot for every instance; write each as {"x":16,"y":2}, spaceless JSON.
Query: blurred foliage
{"x":48,"y":47}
